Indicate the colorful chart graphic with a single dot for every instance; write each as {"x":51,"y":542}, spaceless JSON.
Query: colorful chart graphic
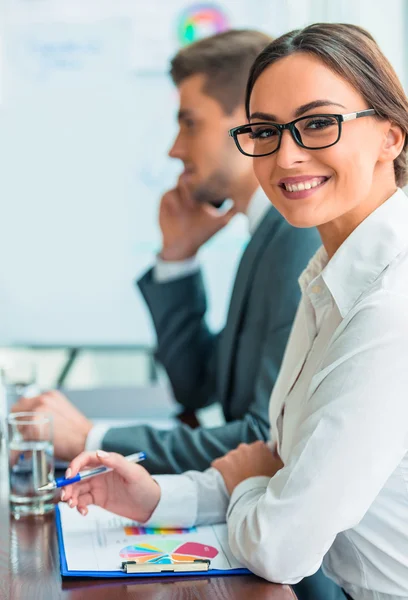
{"x":169,"y":551}
{"x":199,"y":21}
{"x":156,"y":531}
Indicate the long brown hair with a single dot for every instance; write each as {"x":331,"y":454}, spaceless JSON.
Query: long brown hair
{"x":352,"y":53}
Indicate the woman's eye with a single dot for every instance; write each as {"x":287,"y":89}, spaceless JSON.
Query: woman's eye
{"x":262,"y":134}
{"x":319,"y":123}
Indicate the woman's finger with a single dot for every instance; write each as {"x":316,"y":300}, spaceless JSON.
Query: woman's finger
{"x":128,"y":470}
{"x":72,"y":491}
{"x":82,"y":500}
{"x":81,"y":462}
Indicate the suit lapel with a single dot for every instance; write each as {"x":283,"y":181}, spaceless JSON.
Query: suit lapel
{"x":240,"y":292}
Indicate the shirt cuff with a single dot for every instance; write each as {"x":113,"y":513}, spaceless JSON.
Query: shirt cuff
{"x":95,"y":437}
{"x":212,"y":496}
{"x":167,"y":270}
{"x":257,"y":485}
{"x":178,"y":502}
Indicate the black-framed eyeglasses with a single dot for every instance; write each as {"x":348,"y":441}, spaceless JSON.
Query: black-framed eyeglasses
{"x":313,"y":132}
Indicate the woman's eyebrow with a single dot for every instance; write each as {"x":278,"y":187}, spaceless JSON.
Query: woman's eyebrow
{"x":299,"y":111}
{"x":315,"y":104}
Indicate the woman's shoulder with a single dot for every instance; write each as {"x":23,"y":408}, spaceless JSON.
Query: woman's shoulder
{"x":384,"y":303}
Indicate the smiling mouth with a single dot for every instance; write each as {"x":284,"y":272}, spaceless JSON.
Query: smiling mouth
{"x":304,"y":185}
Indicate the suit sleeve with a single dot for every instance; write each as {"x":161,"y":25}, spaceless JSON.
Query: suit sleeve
{"x":182,"y":448}
{"x":185,"y":345}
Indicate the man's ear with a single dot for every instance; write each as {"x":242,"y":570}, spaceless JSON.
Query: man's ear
{"x":393,"y":142}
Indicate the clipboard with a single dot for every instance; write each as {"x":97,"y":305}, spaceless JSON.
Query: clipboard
{"x":131,"y":566}
{"x":130,"y":569}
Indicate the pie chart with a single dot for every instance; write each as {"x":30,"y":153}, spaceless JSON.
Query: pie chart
{"x":168,"y":551}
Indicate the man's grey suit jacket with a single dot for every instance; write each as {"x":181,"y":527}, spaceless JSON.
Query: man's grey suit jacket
{"x":237,"y":367}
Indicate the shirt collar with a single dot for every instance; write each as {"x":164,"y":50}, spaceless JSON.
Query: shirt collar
{"x":257,"y":208}
{"x":314,"y":269}
{"x":366,"y":253}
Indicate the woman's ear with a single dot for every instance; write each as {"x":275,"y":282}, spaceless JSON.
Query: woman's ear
{"x":393,"y":142}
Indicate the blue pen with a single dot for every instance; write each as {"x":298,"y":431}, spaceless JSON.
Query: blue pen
{"x":62,"y":482}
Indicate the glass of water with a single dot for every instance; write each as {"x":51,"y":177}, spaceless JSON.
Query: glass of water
{"x":31,"y":462}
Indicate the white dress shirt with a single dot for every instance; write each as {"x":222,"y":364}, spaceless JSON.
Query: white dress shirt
{"x":339,"y":414}
{"x":165,"y":271}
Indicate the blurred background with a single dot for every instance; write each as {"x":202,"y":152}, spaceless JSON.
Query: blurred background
{"x":87,"y":115}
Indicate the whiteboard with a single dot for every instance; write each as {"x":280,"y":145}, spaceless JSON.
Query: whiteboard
{"x":87,"y":115}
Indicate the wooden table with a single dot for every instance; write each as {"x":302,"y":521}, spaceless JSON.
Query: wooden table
{"x":29,"y":569}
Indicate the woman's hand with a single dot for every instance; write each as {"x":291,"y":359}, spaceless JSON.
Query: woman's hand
{"x":248,"y":460}
{"x":128,"y":490}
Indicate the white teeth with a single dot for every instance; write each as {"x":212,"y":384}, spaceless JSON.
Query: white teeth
{"x":299,"y":187}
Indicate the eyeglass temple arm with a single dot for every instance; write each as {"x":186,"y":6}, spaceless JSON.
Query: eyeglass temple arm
{"x":358,"y":115}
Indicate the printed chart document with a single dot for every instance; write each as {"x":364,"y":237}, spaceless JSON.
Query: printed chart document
{"x":96,"y":545}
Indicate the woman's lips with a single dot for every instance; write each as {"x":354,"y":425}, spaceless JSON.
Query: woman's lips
{"x":303,"y":188}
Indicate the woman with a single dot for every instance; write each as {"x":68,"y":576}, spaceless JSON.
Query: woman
{"x":328,"y":120}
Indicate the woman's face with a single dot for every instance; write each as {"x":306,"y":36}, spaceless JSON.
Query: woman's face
{"x":346,"y":173}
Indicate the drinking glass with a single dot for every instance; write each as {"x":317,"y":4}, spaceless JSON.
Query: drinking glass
{"x":31,"y":462}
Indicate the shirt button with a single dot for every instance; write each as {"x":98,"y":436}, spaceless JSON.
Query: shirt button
{"x":316,"y":289}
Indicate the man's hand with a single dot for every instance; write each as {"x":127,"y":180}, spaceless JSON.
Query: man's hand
{"x":71,"y":427}
{"x":128,"y":490}
{"x":248,"y":460}
{"x":186,"y":224}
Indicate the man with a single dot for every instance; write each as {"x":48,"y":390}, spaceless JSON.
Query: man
{"x":239,"y":366}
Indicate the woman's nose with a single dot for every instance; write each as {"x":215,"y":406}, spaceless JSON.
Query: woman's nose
{"x":289,"y":152}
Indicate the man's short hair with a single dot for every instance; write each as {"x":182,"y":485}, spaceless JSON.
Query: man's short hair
{"x":225,"y":60}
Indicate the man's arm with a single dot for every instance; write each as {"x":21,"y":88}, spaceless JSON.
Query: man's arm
{"x":185,"y":345}
{"x":182,"y":448}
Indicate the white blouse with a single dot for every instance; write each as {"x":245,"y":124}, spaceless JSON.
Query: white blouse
{"x":339,"y":414}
